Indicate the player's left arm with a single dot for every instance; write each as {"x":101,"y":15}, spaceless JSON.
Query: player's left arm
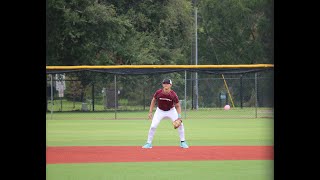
{"x":177,"y":104}
{"x":177,"y":122}
{"x":178,"y":107}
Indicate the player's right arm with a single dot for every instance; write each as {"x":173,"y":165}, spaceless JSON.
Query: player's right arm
{"x":153,"y":102}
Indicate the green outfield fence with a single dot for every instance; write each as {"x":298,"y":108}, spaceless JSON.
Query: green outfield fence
{"x":83,"y":94}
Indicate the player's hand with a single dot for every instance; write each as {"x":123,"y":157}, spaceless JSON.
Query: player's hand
{"x":177,"y":123}
{"x":150,"y":116}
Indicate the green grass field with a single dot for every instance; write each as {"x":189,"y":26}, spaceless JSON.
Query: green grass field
{"x":188,"y":170}
{"x":87,"y":131}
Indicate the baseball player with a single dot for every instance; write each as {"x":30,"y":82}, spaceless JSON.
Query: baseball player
{"x":168,"y":106}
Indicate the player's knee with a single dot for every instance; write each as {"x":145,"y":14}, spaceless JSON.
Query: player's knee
{"x":181,"y":128}
{"x":153,"y":127}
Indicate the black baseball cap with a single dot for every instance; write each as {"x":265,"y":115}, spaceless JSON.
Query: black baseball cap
{"x":167,"y":81}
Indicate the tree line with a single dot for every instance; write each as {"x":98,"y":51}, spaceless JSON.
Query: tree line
{"x":116,"y":32}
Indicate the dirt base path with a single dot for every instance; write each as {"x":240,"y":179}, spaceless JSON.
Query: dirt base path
{"x":94,"y":154}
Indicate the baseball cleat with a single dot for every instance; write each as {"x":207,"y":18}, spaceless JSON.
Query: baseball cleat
{"x":147,"y":145}
{"x":184,"y":145}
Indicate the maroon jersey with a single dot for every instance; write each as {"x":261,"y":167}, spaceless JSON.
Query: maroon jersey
{"x":166,"y":100}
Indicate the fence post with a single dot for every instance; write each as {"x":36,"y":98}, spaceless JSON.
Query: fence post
{"x":241,"y":96}
{"x":256,"y":88}
{"x":185,"y":94}
{"x":51,"y":96}
{"x":192,"y":107}
{"x":92,"y":101}
{"x":115,"y":96}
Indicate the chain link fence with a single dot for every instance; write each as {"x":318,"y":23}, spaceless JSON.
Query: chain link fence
{"x":95,"y":95}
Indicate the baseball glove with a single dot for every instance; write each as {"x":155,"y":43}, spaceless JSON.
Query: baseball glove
{"x":177,"y":123}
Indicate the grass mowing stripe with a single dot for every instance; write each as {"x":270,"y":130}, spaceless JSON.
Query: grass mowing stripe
{"x":134,"y":132}
{"x":187,"y":170}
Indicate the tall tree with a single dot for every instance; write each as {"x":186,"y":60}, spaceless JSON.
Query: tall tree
{"x":117,"y":32}
{"x":235,"y":31}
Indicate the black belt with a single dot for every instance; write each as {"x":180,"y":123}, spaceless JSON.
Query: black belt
{"x":166,"y":109}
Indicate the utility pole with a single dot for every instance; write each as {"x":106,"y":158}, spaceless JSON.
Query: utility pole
{"x":196,"y":56}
